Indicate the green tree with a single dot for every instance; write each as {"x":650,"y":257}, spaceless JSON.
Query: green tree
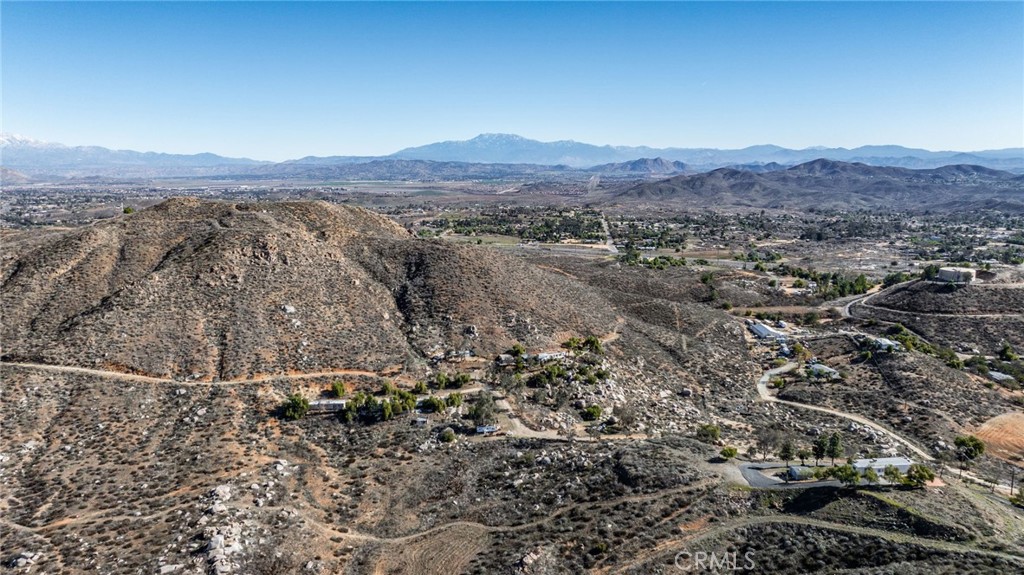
{"x":728,"y":453}
{"x":455,"y":400}
{"x":768,"y":440}
{"x":448,"y":435}
{"x":591,"y":413}
{"x":787,"y":452}
{"x":846,"y":474}
{"x":968,"y":448}
{"x":482,"y":412}
{"x":295,"y":407}
{"x":819,"y":448}
{"x":338,"y":388}
{"x":835,"y":446}
{"x":803,"y":454}
{"x":918,"y":476}
{"x":517,"y":350}
{"x":709,"y":433}
{"x":434,"y":404}
{"x":128,"y":210}
{"x":892,"y":475}
{"x":593,"y":343}
{"x":871,"y":476}
{"x":420,"y":387}
{"x":1006,"y":353}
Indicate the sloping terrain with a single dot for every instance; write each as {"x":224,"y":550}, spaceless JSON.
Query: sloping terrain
{"x":840,"y":185}
{"x":145,"y":434}
{"x":230,"y":291}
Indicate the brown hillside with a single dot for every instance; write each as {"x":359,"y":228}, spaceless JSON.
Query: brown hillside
{"x":229,"y":291}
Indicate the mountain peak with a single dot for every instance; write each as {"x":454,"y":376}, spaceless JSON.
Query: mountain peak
{"x":17,"y":140}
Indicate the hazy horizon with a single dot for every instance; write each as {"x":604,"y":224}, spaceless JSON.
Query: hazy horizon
{"x":300,"y":156}
{"x":277,"y":81}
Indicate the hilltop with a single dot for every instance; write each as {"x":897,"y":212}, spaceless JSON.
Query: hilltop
{"x":226,"y":291}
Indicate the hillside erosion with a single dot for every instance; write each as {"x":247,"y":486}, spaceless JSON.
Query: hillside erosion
{"x":217,"y":290}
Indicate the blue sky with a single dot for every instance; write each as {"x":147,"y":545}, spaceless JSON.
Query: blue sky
{"x":283,"y":80}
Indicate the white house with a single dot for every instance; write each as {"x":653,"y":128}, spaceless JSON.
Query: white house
{"x":879,"y":465}
{"x":884,"y":344}
{"x":956,"y":275}
{"x":764,"y":332}
{"x":820,"y":370}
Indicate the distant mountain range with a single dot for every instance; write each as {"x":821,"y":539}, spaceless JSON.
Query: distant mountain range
{"x":40,"y":159}
{"x":507,"y":148}
{"x":832,"y":184}
{"x":487,"y":155}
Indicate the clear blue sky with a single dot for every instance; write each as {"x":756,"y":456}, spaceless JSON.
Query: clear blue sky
{"x":283,"y":80}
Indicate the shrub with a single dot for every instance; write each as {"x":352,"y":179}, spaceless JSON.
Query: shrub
{"x":448,"y":435}
{"x":918,"y":475}
{"x":592,"y":413}
{"x":728,"y":452}
{"x":338,"y":388}
{"x":709,"y":433}
{"x":454,"y":400}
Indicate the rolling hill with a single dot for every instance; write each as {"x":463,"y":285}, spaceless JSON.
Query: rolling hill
{"x":229,"y":291}
{"x":832,"y":184}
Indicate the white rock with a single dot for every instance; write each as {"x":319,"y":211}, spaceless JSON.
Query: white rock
{"x":216,"y":542}
{"x":222,"y":492}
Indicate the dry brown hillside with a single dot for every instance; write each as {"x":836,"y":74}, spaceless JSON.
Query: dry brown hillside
{"x":214,"y":291}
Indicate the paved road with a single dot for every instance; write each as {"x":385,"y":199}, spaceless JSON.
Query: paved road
{"x":753,"y":476}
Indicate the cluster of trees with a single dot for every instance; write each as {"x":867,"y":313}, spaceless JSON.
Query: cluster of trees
{"x":444,"y":381}
{"x":896,"y":278}
{"x":634,"y":257}
{"x":438,"y":404}
{"x":483,"y":411}
{"x":911,"y":342}
{"x":591,"y":344}
{"x":658,"y":235}
{"x":831,"y":285}
{"x":917,"y":475}
{"x":528,"y":224}
{"x":758,"y":256}
{"x":368,"y":408}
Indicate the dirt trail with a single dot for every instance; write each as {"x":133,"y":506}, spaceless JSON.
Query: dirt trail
{"x":762,"y":390}
{"x":150,"y":379}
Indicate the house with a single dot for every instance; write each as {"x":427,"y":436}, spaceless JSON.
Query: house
{"x":420,"y":421}
{"x":955,"y":275}
{"x":884,"y":344}
{"x":505,"y":360}
{"x":763,"y":331}
{"x":327,"y":405}
{"x":800,"y":472}
{"x":824,"y":371}
{"x":879,"y":465}
{"x":544,"y":357}
{"x":484,"y":429}
{"x":1000,"y":377}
